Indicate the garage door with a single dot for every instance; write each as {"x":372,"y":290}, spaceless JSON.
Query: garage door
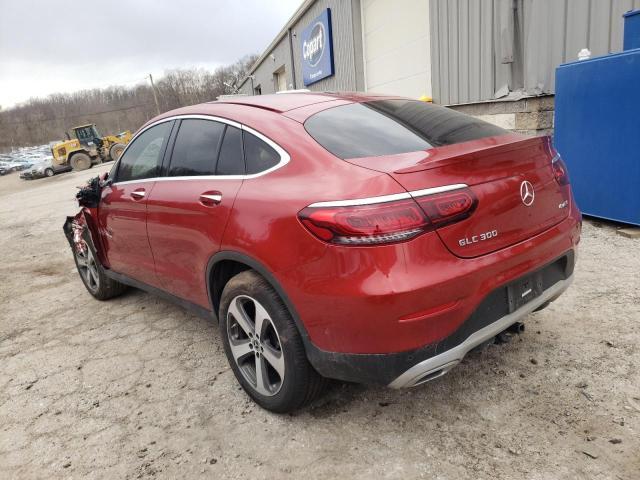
{"x":396,"y":47}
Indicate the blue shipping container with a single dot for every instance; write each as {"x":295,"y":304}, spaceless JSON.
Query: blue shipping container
{"x":597,"y":132}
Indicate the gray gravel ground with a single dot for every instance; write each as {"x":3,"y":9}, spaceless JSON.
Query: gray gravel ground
{"x":136,"y":387}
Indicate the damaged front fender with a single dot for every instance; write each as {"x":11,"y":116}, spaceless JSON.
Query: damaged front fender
{"x":74,"y":228}
{"x":83,"y":227}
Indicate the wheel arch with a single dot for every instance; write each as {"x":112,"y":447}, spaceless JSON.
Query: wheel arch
{"x":75,"y":152}
{"x":225,"y":264}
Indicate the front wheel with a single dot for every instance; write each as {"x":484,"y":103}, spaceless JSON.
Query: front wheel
{"x":264,"y":347}
{"x":80,"y":161}
{"x":92,"y":274}
{"x":49,"y":172}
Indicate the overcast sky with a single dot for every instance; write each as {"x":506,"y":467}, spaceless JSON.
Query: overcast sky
{"x":49,"y":46}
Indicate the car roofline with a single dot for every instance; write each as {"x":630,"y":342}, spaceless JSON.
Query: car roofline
{"x":246,"y":100}
{"x":330,"y":98}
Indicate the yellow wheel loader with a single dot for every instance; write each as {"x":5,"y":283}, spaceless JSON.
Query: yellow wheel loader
{"x":87,"y":147}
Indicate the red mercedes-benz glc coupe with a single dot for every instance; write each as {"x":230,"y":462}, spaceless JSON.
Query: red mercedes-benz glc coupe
{"x":371,"y":239}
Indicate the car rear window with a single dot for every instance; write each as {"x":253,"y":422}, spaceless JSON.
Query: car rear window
{"x":258,"y":155}
{"x":389,"y":127}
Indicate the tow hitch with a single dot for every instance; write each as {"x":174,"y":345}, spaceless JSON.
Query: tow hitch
{"x":506,"y":335}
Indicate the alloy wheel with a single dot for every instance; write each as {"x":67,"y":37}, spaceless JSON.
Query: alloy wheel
{"x":88,"y":268}
{"x":255,"y":345}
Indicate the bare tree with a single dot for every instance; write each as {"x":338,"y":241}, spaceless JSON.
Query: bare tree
{"x":116,"y":108}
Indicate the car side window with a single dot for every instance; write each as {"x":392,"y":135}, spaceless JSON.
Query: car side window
{"x":196,"y":148}
{"x":258,"y":155}
{"x":143,"y":157}
{"x":231,"y":160}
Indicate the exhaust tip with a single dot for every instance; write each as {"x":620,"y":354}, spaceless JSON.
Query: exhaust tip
{"x":432,"y":375}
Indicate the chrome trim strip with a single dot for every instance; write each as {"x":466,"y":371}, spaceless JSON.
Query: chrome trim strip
{"x":434,"y":190}
{"x":362,"y":201}
{"x":193,"y":177}
{"x":284,"y":156}
{"x":442,"y":363}
{"x":389,"y":198}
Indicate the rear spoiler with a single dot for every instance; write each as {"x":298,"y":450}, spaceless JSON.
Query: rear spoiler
{"x":464,"y":152}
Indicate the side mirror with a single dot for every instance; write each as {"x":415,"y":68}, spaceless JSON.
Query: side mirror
{"x":105,"y":181}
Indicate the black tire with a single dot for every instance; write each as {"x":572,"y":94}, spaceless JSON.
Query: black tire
{"x":48,"y":172}
{"x":80,"y":161}
{"x":301,"y":383}
{"x":116,"y":150}
{"x":94,"y":279}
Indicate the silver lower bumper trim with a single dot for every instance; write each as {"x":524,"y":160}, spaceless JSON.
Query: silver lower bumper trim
{"x":437,"y":366}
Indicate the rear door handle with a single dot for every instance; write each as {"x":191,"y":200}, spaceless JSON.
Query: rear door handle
{"x":138,"y":194}
{"x":210,"y":199}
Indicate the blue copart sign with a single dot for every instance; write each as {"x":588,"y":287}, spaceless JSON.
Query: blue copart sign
{"x":317,"y":49}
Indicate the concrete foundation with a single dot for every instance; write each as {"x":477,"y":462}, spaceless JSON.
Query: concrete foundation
{"x":531,"y":116}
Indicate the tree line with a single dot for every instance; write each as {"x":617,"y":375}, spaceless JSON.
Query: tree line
{"x":115,"y":109}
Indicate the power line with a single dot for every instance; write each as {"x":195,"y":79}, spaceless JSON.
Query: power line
{"x":67,"y":117}
{"x":155,"y":97}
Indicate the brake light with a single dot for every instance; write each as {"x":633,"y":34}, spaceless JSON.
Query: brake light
{"x":382,"y":222}
{"x":560,"y":170}
{"x":446,"y":208}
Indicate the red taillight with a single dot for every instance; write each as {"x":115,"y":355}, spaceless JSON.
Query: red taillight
{"x":450,"y":207}
{"x":387,"y":222}
{"x":366,"y":224}
{"x":560,"y":170}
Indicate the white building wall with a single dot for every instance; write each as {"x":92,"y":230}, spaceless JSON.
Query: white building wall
{"x":396,"y":47}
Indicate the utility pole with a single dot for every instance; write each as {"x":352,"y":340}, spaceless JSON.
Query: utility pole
{"x":155,"y":95}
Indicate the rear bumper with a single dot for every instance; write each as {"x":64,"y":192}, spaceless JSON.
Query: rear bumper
{"x":410,"y":368}
{"x":438,"y":365}
{"x":401,"y":297}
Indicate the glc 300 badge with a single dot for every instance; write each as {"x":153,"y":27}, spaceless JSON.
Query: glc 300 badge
{"x":463,"y":242}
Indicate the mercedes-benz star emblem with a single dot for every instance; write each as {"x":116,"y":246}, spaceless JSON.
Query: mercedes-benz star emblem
{"x":527,"y":193}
